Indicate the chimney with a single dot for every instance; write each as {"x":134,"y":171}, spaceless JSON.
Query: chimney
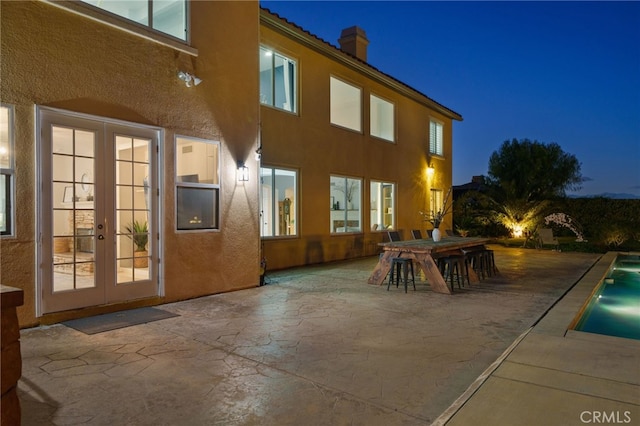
{"x":354,"y":41}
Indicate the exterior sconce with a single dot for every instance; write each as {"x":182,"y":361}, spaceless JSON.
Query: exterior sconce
{"x":430,"y":171}
{"x":243,"y":172}
{"x":189,"y":79}
{"x":259,"y":153}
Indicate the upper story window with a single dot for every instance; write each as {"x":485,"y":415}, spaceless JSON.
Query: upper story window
{"x":382,"y":118}
{"x":7,"y":170}
{"x":278,"y":76}
{"x":435,"y":138}
{"x":166,"y":16}
{"x":279,"y":202}
{"x":346,"y":105}
{"x":197,"y":184}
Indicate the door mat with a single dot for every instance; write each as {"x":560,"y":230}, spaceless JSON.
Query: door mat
{"x":115,"y":320}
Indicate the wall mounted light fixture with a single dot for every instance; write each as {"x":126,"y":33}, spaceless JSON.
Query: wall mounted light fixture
{"x":243,"y":172}
{"x":430,"y":171}
{"x":189,"y":79}
{"x":259,"y":153}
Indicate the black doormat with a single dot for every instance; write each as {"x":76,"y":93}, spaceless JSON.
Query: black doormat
{"x":115,"y":320}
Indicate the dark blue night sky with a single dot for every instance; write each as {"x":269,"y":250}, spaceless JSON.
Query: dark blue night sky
{"x":564,"y":72}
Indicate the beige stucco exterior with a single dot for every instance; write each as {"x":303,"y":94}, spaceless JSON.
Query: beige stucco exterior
{"x":56,"y":58}
{"x":59,"y":56}
{"x":309,"y":143}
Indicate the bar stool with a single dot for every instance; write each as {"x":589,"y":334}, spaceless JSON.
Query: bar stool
{"x":450,"y":265}
{"x":403,"y":264}
{"x":475,"y":258}
{"x":490,"y":262}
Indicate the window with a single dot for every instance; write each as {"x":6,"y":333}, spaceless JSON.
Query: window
{"x":197,"y":184}
{"x":277,"y":80}
{"x":435,"y":138}
{"x":436,"y":201}
{"x":166,"y":16}
{"x":382,"y":206}
{"x":346,"y":105}
{"x":279,"y":189}
{"x":345,"y":204}
{"x":382,"y":118}
{"x":7,"y":172}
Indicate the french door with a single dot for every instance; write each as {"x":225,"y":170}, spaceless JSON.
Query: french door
{"x":99,"y":232}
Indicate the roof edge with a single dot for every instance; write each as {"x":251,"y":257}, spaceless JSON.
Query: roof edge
{"x":314,"y":42}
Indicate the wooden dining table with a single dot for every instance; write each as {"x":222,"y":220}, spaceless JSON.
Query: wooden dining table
{"x":424,"y":252}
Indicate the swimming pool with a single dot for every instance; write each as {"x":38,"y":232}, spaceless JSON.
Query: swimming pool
{"x":614,"y":306}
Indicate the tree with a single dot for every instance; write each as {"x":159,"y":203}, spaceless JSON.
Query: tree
{"x":532,"y":171}
{"x":523,"y":177}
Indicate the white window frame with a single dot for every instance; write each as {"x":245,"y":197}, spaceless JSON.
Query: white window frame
{"x":271,"y":197}
{"x":345,"y":104}
{"x":383,"y":207}
{"x":343,"y":210}
{"x":289,"y":91}
{"x":381,"y":118}
{"x":436,"y":200}
{"x":436,"y":137}
{"x":8,"y":144}
{"x":150,"y":17}
{"x":187,"y":181}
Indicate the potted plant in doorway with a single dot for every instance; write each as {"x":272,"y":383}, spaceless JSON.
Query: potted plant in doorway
{"x":139,"y":233}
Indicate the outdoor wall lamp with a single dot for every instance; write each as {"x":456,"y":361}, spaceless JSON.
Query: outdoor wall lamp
{"x":243,"y":172}
{"x":189,"y":79}
{"x":430,"y":171}
{"x":259,"y":153}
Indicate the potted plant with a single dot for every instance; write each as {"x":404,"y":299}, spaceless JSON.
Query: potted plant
{"x":139,"y":233}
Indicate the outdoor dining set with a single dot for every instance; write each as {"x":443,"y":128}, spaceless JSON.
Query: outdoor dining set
{"x":452,"y":259}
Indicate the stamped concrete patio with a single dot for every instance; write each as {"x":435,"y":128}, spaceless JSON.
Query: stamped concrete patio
{"x":316,"y":346}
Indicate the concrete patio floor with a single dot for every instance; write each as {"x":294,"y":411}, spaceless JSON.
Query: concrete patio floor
{"x":319,"y":346}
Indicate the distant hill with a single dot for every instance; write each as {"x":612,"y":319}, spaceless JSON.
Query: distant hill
{"x":612,"y":195}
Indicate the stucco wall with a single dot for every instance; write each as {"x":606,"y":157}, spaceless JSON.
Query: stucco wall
{"x":56,"y":58}
{"x":308,"y":142}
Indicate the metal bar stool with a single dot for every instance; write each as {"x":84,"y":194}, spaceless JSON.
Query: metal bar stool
{"x":403,"y":264}
{"x":450,"y":265}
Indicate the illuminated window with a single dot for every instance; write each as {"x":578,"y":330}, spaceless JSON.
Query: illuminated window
{"x":346,"y":204}
{"x":7,"y":172}
{"x":166,"y":16}
{"x":435,"y":138}
{"x":279,"y":202}
{"x":382,"y":118}
{"x":382,"y":206}
{"x":197,"y":184}
{"x":436,"y":200}
{"x":277,"y":80}
{"x":346,"y":105}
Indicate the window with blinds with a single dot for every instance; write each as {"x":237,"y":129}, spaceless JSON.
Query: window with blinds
{"x":435,"y":138}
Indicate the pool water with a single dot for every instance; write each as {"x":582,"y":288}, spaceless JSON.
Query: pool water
{"x":614,"y":308}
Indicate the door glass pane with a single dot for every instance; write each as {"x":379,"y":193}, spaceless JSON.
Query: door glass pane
{"x":133,"y":209}
{"x":73,"y":209}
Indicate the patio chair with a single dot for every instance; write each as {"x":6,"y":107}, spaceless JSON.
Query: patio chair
{"x":394,"y":236}
{"x":546,"y":237}
{"x":417,"y":234}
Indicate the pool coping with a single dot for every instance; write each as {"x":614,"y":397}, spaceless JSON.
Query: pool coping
{"x":558,"y":344}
